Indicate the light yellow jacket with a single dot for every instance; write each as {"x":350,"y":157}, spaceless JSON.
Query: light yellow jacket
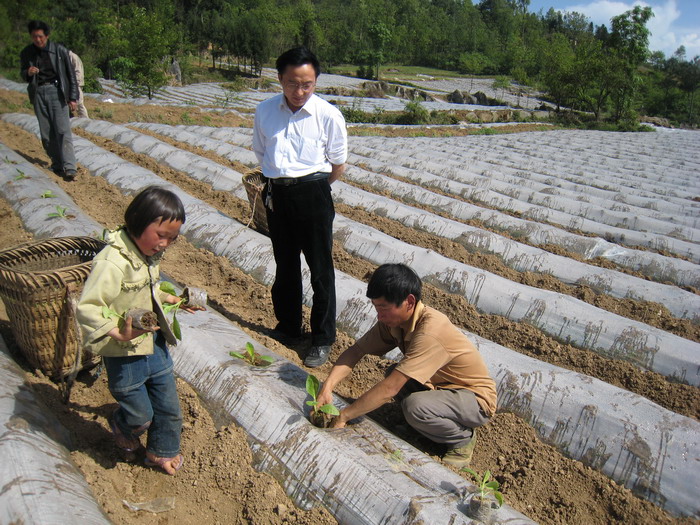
{"x":121,"y":278}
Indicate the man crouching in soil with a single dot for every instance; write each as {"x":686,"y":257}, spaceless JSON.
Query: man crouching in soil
{"x":443,"y":383}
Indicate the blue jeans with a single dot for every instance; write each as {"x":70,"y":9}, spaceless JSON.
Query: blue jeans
{"x":144,"y":387}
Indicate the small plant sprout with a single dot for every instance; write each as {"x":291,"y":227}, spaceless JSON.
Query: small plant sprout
{"x":48,"y":194}
{"x":21,"y":175}
{"x":108,"y":313}
{"x":61,"y":211}
{"x":252,"y":357}
{"x":167,"y":308}
{"x":487,"y":485}
{"x":313,"y":387}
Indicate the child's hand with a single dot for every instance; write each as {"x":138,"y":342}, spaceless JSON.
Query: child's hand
{"x":173,"y":299}
{"x":127,"y":332}
{"x":191,"y":309}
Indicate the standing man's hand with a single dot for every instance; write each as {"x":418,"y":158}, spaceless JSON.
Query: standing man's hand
{"x":33,"y":70}
{"x":73,"y":105}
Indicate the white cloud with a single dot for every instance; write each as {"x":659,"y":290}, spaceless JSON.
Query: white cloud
{"x":666,"y":34}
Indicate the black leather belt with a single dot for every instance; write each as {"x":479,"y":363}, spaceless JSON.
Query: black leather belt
{"x":49,"y":82}
{"x":290,"y":181}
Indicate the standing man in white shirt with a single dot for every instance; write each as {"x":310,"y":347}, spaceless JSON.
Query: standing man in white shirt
{"x":301,"y":143}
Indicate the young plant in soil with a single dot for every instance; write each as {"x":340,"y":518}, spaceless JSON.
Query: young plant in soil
{"x":252,"y":357}
{"x":61,"y":211}
{"x":48,"y":194}
{"x":168,"y":308}
{"x":21,"y":175}
{"x":482,"y":504}
{"x":140,"y":318}
{"x":321,"y":416}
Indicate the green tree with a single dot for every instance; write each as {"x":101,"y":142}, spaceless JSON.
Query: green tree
{"x":629,"y":39}
{"x":145,"y":39}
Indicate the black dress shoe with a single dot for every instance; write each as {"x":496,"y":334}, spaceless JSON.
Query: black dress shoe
{"x":284,"y":335}
{"x":317,"y":356}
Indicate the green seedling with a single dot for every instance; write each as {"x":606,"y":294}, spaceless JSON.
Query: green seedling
{"x":21,"y":175}
{"x":487,"y":486}
{"x":48,"y":194}
{"x":61,"y":211}
{"x":168,"y":308}
{"x":251,"y":356}
{"x":108,"y":313}
{"x":313,"y":387}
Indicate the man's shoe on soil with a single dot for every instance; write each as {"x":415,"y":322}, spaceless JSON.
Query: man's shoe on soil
{"x":462,"y":456}
{"x":286,"y":336}
{"x":317,"y":356}
{"x":58,"y":171}
{"x":70,"y":174}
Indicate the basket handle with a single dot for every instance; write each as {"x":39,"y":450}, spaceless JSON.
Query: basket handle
{"x":68,"y":380}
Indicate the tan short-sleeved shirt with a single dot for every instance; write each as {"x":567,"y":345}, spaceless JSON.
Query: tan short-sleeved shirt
{"x":436,"y":354}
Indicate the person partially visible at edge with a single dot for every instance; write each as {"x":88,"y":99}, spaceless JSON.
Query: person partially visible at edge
{"x":81,"y":110}
{"x":139,"y":366}
{"x":52,"y":89}
{"x":300,"y":141}
{"x":443,"y":384}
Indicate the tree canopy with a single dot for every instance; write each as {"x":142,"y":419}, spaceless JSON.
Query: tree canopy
{"x":580,"y":65}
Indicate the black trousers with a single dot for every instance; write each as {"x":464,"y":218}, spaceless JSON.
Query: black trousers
{"x":302,"y":222}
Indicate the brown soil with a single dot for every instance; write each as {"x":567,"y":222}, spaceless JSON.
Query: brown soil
{"x":218,"y":482}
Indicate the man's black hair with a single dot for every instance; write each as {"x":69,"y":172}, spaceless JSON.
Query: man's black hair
{"x":34,"y":25}
{"x":154,"y":204}
{"x":297,"y":56}
{"x":394,"y":282}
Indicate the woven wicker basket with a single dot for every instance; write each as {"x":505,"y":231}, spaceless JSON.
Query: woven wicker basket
{"x":40,"y":284}
{"x":254,"y":183}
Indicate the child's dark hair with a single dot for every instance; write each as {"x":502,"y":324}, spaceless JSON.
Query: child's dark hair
{"x":394,"y":282}
{"x":151,"y":205}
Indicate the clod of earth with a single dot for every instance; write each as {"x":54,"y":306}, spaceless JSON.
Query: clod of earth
{"x":195,"y":297}
{"x":142,"y":319}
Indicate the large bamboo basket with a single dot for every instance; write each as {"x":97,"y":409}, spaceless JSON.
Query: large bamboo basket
{"x":254,"y":183}
{"x":40,"y":284}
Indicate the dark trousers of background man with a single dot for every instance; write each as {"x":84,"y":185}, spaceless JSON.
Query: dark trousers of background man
{"x":52,"y":113}
{"x":302,"y":221}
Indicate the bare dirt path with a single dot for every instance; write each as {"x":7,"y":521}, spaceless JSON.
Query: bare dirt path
{"x":218,"y":483}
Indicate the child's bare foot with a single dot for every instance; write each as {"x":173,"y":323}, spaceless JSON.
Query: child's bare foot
{"x":169,"y":465}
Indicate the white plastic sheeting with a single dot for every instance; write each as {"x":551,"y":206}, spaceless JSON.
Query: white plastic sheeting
{"x":622,"y":235}
{"x":355,"y":472}
{"x":652,"y":265}
{"x":622,"y":430}
{"x":40,"y":484}
{"x":560,"y":316}
{"x":525,"y":258}
{"x":540,"y":234}
{"x":517,"y":255}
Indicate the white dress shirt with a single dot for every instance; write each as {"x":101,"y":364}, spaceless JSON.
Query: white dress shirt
{"x":296,"y":144}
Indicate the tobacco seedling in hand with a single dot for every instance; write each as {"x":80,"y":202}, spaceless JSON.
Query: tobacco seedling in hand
{"x":313,"y":387}
{"x":167,"y":308}
{"x":250,"y":356}
{"x":61,"y":211}
{"x":108,"y":313}
{"x":48,"y":194}
{"x":487,"y":486}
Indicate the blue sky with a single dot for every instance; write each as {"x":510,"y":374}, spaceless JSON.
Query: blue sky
{"x":675,"y":22}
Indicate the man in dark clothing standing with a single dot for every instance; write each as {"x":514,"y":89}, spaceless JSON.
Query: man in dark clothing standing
{"x":52,"y":90}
